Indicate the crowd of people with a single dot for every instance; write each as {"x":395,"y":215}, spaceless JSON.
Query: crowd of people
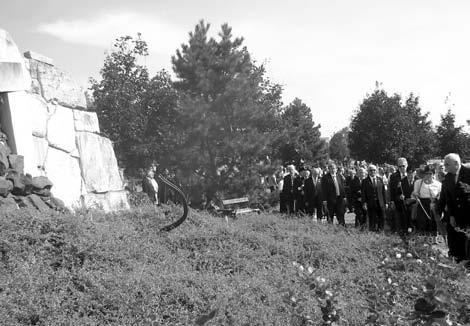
{"x":433,"y":200}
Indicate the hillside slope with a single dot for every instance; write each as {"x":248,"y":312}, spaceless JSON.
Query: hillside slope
{"x":117,"y":269}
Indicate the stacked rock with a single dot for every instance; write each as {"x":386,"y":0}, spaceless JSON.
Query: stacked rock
{"x":19,"y":190}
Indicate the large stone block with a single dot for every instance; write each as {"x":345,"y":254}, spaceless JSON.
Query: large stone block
{"x":38,"y":57}
{"x":5,"y":187}
{"x":86,"y":121}
{"x":64,"y":172}
{"x":4,"y":152}
{"x":99,"y":166}
{"x":20,"y":128}
{"x":13,"y":73}
{"x":39,"y":115}
{"x":109,"y":202}
{"x":8,"y":204}
{"x":38,"y":203}
{"x":61,"y":130}
{"x":41,"y":147}
{"x":58,"y":85}
{"x":32,"y":69}
{"x":41,"y":182}
{"x":16,"y":162}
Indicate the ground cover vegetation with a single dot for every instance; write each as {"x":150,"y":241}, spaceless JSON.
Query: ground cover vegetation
{"x":92,"y":268}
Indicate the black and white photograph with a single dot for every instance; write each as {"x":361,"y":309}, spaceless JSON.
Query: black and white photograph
{"x":234,"y":163}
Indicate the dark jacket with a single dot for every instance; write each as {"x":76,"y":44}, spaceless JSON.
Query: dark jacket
{"x":394,"y":187}
{"x":298,"y":187}
{"x":371,"y":196}
{"x":288,"y":187}
{"x":328,"y":188}
{"x":148,"y":188}
{"x":310,"y":189}
{"x":356,"y":188}
{"x":407,"y":187}
{"x":456,"y":196}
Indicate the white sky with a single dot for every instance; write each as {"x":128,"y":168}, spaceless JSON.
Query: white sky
{"x":327,"y":53}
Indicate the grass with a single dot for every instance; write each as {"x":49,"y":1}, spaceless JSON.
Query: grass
{"x":92,"y":268}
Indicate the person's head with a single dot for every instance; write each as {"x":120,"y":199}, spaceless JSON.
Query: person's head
{"x":332,"y":168}
{"x":440,"y":167}
{"x":381,"y":171}
{"x":428,"y":173}
{"x":402,"y":164}
{"x":319,"y":172}
{"x":150,"y":172}
{"x":314,"y":172}
{"x":291,"y":169}
{"x":452,"y":163}
{"x":391,"y":169}
{"x":352,"y":173}
{"x":410,"y":173}
{"x":372,"y":170}
{"x":304,"y":173}
{"x":361,"y":173}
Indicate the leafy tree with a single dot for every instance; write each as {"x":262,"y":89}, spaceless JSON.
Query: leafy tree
{"x":383,"y":129}
{"x":161,"y":124}
{"x":300,"y":138}
{"x":451,"y":138}
{"x":136,"y":113}
{"x":228,"y":109}
{"x":338,"y":146}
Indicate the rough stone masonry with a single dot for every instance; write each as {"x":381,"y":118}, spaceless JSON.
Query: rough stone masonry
{"x":44,"y":114}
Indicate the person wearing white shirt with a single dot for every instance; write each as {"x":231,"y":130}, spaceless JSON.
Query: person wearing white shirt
{"x":427,"y":191}
{"x":150,"y":186}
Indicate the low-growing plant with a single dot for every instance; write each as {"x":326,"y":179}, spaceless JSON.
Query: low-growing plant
{"x":92,"y":268}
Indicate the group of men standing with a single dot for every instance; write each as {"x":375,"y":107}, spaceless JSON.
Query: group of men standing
{"x":312,"y":192}
{"x":326,"y":195}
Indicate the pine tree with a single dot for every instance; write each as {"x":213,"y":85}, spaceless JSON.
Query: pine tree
{"x":338,"y":146}
{"x":300,"y":138}
{"x":228,"y":111}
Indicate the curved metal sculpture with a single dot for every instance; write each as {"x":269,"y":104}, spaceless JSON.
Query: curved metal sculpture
{"x":179,"y":221}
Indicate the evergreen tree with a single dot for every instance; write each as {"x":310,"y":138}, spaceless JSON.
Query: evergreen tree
{"x":229,"y":112}
{"x":300,"y":138}
{"x":338,"y":146}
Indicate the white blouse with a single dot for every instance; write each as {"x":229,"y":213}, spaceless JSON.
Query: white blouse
{"x":424,"y":190}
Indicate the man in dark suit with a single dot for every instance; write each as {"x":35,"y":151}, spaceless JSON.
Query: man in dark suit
{"x":317,"y":174}
{"x":288,"y":189}
{"x":407,"y":186}
{"x":299,"y":190}
{"x":333,"y":194}
{"x":373,"y":194}
{"x":455,"y":199}
{"x":397,"y":199}
{"x":310,"y":191}
{"x":351,"y":174}
{"x":356,"y":197}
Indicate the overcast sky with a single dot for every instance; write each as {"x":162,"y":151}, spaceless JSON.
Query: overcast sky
{"x":328,"y":53}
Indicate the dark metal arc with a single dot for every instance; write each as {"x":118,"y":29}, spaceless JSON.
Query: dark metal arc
{"x":179,"y":221}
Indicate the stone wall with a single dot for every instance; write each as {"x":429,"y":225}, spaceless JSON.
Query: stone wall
{"x":51,"y":126}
